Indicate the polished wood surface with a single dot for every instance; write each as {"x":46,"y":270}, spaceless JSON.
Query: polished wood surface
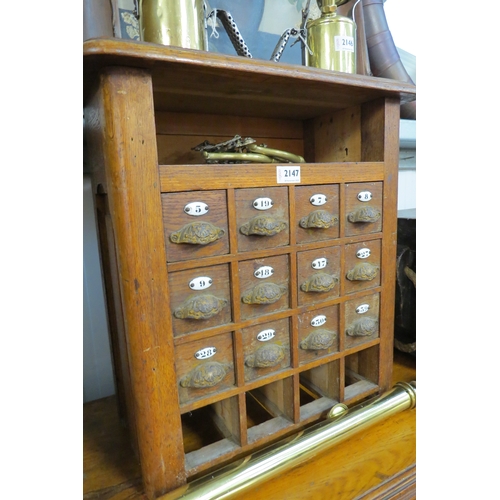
{"x":144,"y":104}
{"x":377,"y":463}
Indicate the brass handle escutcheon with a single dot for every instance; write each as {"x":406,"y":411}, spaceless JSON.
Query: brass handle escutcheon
{"x":318,"y":219}
{"x":318,"y":339}
{"x":365,"y":214}
{"x":207,"y":374}
{"x":197,"y":233}
{"x":363,"y":272}
{"x":264,"y":293}
{"x":263,"y":225}
{"x":363,"y":327}
{"x":266,"y":356}
{"x":200,"y":307}
{"x":319,"y":282}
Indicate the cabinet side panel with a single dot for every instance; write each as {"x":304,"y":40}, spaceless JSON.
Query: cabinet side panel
{"x":380,"y":141}
{"x":132,"y":183}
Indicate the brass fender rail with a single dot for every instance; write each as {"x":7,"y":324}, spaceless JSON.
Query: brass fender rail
{"x":342,"y":423}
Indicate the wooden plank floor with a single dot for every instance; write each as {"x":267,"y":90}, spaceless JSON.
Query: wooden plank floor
{"x":379,"y":463}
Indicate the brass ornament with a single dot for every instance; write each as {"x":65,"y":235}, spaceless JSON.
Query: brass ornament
{"x":318,"y":340}
{"x":319,"y":282}
{"x":318,"y":219}
{"x":200,"y":307}
{"x":205,"y":375}
{"x":266,"y":356}
{"x":363,"y":272}
{"x":197,"y":233}
{"x":263,"y":225}
{"x":363,"y":327}
{"x":264,"y":293}
{"x":365,"y":214}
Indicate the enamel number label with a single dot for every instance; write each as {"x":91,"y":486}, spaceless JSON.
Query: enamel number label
{"x":262,"y":203}
{"x":265,"y":335}
{"x":206,"y":352}
{"x":319,"y":263}
{"x":196,"y":208}
{"x":263,"y":272}
{"x":200,"y":283}
{"x":317,"y":199}
{"x":318,"y":320}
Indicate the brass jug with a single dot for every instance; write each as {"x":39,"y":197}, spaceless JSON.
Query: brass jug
{"x":181,"y":23}
{"x":331,"y":39}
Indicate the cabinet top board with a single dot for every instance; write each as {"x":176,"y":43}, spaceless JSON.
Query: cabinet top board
{"x":187,"y":80}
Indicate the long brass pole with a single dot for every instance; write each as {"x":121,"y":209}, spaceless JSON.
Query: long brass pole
{"x":341,"y":424}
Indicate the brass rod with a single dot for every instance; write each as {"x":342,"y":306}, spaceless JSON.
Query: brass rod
{"x":262,"y":465}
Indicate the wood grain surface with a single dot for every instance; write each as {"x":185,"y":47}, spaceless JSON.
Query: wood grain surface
{"x":378,"y":463}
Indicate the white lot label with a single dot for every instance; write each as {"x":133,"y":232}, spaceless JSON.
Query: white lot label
{"x":287,"y":175}
{"x":344,"y":43}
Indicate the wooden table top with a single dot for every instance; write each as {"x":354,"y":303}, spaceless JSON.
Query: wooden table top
{"x":377,"y":463}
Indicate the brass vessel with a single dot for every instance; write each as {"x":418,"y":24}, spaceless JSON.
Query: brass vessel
{"x":181,"y":23}
{"x":331,"y":39}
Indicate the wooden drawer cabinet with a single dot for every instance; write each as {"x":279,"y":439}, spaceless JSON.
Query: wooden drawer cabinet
{"x":239,"y":300}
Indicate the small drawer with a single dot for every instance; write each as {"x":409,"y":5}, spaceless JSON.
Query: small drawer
{"x":262,"y":218}
{"x":318,"y":273}
{"x":266,"y":348}
{"x":195,"y":224}
{"x":362,"y":320}
{"x":363,"y":208}
{"x":204,"y":367}
{"x":200,"y":298}
{"x":264,"y":285}
{"x":318,"y":333}
{"x":317,"y":213}
{"x":362,"y":266}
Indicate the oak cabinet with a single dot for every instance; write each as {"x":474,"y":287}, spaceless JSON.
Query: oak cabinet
{"x":247,"y":299}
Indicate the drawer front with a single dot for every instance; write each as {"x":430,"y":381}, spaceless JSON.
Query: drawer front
{"x":318,"y":275}
{"x":204,"y":367}
{"x":195,"y":224}
{"x":266,"y":348}
{"x":362,"y":266}
{"x":362,"y":320}
{"x":200,"y":298}
{"x":363,"y":208}
{"x":318,"y":333}
{"x":264,"y":285}
{"x":262,"y":218}
{"x":317,"y":210}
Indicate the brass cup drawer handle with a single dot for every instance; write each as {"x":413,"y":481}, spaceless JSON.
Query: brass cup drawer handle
{"x":365,"y":214}
{"x":200,"y":307}
{"x":363,"y":327}
{"x":197,"y":233}
{"x":264,"y":293}
{"x":205,"y":375}
{"x":318,"y":219}
{"x":319,"y":282}
{"x":318,"y":340}
{"x":263,"y":225}
{"x":364,"y":271}
{"x":266,"y":356}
